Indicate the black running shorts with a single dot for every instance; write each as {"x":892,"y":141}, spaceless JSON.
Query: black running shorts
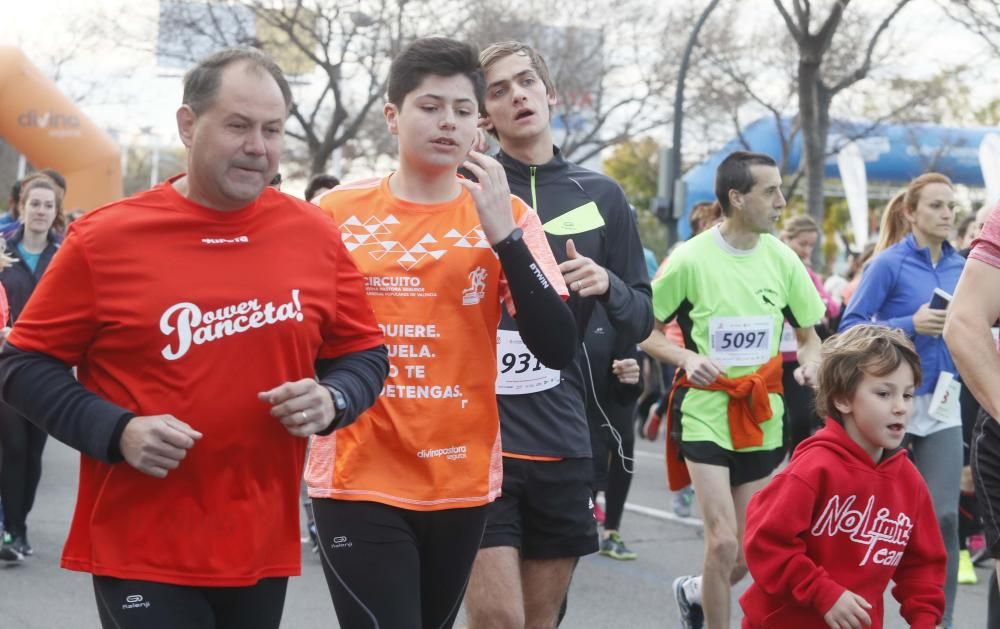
{"x":985,"y":460}
{"x":546,"y":509}
{"x":744,"y":467}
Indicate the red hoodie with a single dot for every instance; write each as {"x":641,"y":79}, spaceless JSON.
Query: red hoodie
{"x":832,"y":521}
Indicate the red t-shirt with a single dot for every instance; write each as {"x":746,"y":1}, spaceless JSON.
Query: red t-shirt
{"x":168,"y":307}
{"x":432,"y":439}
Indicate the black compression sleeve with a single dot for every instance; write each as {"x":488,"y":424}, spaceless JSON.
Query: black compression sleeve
{"x":359,"y":376}
{"x":44,"y":390}
{"x":545,"y":322}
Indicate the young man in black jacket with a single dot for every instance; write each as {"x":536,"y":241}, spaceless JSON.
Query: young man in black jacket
{"x":544,"y":520}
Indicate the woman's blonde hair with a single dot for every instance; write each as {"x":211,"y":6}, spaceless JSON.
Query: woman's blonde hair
{"x":894,"y":226}
{"x":864,"y":349}
{"x":44,"y":182}
{"x":797,"y":225}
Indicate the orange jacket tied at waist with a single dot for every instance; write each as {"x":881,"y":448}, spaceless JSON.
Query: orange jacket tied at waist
{"x":749,"y":406}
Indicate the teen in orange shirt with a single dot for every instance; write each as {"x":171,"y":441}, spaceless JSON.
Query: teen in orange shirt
{"x":400,"y":495}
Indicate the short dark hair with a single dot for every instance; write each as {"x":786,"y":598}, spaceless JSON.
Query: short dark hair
{"x":201,"y":83}
{"x":319,"y":182}
{"x":437,"y":56}
{"x":734,"y":174}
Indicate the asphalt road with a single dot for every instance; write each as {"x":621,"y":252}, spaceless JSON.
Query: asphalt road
{"x":605,"y":593}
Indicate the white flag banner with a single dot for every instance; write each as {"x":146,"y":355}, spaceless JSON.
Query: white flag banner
{"x":989,"y":161}
{"x":855,"y":181}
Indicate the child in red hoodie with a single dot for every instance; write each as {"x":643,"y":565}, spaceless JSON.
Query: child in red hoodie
{"x":850,"y":512}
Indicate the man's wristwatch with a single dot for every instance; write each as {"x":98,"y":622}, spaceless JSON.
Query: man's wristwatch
{"x":339,"y":403}
{"x":514,"y":236}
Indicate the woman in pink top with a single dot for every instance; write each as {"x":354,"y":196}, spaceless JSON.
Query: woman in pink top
{"x":801,"y":233}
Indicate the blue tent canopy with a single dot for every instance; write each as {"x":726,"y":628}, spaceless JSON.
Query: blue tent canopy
{"x":892,"y":153}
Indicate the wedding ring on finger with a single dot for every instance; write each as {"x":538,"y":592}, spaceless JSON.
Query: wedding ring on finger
{"x":305,"y":416}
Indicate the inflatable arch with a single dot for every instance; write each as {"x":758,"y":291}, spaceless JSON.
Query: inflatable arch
{"x":51,"y":132}
{"x":891,"y":153}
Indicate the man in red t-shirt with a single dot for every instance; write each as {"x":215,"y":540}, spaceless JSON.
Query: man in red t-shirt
{"x":215,"y":323}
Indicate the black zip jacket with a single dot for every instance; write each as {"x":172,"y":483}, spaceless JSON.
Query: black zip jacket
{"x":17,"y":279}
{"x":589,"y":208}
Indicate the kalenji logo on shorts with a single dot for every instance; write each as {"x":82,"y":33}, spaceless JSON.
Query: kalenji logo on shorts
{"x":189,"y":325}
{"x":132,"y":601}
{"x":341,"y":541}
{"x":453,"y":453}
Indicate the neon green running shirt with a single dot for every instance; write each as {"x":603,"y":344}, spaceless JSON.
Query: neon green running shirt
{"x":731,"y":305}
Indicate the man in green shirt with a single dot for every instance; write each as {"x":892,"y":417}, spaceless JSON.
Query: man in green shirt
{"x":731,"y":288}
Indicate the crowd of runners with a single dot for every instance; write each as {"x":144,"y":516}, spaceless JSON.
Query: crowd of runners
{"x":457,"y":357}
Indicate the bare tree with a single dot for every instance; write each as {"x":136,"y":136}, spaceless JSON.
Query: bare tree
{"x":337,"y":51}
{"x":816,"y":88}
{"x":610,"y":86}
{"x":981,"y":17}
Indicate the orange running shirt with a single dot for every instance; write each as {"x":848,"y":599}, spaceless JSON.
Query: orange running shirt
{"x":169,"y":307}
{"x":432,"y":440}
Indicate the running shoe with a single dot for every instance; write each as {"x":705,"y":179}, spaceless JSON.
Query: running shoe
{"x":598,"y":513}
{"x":682,"y":502}
{"x":691,"y":614}
{"x":651,"y":427}
{"x":313,"y":536}
{"x":22,"y":546}
{"x":8,"y":552}
{"x":966,"y":571}
{"x":613,"y":546}
{"x":978,"y":550}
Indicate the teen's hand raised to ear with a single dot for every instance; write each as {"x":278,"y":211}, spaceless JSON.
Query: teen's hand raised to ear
{"x":491,"y":194}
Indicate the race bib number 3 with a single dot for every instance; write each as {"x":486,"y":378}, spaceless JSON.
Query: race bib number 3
{"x":740,"y":341}
{"x":518,"y":370}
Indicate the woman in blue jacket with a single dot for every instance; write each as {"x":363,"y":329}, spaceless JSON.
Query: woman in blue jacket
{"x":913,"y":258}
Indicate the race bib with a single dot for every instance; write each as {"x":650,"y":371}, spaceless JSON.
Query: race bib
{"x":518,"y":371}
{"x":740,"y":341}
{"x":789,"y":342}
{"x":945,"y":405}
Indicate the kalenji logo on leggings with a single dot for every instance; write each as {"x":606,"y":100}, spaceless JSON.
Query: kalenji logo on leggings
{"x":132,"y":601}
{"x":341,"y":541}
{"x":189,"y":325}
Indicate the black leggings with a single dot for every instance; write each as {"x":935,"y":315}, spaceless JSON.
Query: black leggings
{"x":21,"y":444}
{"x":619,"y":481}
{"x":129,"y":604}
{"x":391,"y":568}
{"x":800,"y":409}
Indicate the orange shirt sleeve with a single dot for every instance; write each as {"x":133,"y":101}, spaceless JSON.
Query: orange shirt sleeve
{"x":538,"y":243}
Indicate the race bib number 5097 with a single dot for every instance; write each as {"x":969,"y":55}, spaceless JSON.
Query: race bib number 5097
{"x":740,"y":341}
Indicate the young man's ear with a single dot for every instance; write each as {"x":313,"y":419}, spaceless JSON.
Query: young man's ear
{"x":553,"y":100}
{"x":391,"y":114}
{"x":185,"y":124}
{"x":485,"y":123}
